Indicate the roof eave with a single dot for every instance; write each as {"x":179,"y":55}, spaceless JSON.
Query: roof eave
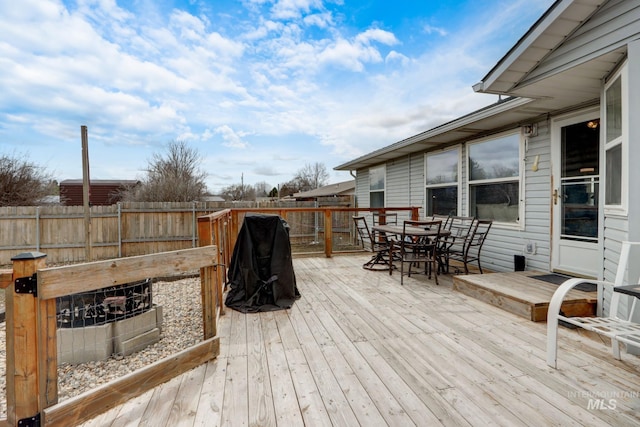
{"x":420,"y":142}
{"x":552,"y":15}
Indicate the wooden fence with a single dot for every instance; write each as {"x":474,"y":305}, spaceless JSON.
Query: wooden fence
{"x":123,"y":230}
{"x":31,"y":334}
{"x":31,"y":384}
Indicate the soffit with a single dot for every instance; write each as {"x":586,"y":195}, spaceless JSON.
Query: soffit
{"x":555,"y":26}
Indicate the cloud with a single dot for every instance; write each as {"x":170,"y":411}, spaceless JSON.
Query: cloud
{"x":355,"y":54}
{"x":231,"y":138}
{"x":291,"y":9}
{"x":394,"y":56}
{"x":287,"y":79}
{"x":429,"y":29}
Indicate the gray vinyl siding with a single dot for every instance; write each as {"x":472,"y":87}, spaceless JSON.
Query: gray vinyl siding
{"x":417,"y":183}
{"x":397,"y":182}
{"x":537,"y":201}
{"x":615,"y":24}
{"x":362,"y":188}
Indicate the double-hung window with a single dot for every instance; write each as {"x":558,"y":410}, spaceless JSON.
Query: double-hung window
{"x":376,"y":186}
{"x":494,"y":178}
{"x":615,"y":132}
{"x":441,"y":174}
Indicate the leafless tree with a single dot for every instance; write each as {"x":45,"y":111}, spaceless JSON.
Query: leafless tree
{"x":238,"y":192}
{"x":174,"y":177}
{"x":311,"y":176}
{"x":261,"y":189}
{"x":22,"y":183}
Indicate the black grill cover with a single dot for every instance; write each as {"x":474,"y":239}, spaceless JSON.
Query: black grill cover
{"x":261,"y":276}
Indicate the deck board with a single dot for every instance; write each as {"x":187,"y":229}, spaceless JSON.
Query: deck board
{"x":360,"y":349}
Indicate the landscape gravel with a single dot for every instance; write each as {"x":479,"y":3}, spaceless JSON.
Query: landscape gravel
{"x":181,"y":328}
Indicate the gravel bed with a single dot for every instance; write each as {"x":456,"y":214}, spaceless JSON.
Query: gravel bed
{"x":181,"y":328}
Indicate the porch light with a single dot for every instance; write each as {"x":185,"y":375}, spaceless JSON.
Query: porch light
{"x":593,"y":124}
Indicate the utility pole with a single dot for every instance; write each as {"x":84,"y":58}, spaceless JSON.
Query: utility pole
{"x":86,"y":183}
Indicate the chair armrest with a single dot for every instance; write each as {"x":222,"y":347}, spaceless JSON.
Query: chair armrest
{"x":553,"y":315}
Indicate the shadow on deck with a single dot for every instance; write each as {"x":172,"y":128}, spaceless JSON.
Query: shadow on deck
{"x":360,"y":349}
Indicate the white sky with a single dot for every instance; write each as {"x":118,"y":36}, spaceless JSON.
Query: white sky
{"x":259,"y":87}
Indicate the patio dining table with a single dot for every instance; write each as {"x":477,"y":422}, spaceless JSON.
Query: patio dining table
{"x":413,"y":232}
{"x":409,"y":231}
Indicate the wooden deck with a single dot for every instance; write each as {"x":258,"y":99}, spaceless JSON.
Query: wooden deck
{"x":359,"y":349}
{"x":522,"y":295}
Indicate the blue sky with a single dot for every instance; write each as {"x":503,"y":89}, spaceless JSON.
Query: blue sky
{"x":259,"y":87}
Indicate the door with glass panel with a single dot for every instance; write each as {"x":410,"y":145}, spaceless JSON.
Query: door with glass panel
{"x":575,"y":195}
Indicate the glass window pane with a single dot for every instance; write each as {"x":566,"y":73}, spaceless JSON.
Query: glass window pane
{"x":614,"y":110}
{"x":442,"y":201}
{"x":497,"y":158}
{"x":580,"y":149}
{"x":613,"y":167}
{"x":376,"y":199}
{"x":498,"y":202}
{"x":580,"y":210}
{"x":376,"y":178}
{"x":442,"y":167}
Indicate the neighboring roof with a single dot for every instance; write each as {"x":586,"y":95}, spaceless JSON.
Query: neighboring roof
{"x":213,"y":199}
{"x":337,"y":189}
{"x":123,"y":182}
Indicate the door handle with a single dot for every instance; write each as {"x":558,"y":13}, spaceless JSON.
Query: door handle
{"x":555,"y":196}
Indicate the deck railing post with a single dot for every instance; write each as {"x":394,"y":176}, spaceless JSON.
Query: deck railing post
{"x":26,"y":335}
{"x":328,"y":233}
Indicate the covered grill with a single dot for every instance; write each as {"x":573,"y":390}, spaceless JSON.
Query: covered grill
{"x":261,"y":276}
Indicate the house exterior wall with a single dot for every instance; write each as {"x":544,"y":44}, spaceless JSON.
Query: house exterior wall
{"x":100,"y":194}
{"x":397,"y":190}
{"x":537,"y":200}
{"x":621,"y":228}
{"x":362,"y":188}
{"x":405,"y":186}
{"x":615,"y":26}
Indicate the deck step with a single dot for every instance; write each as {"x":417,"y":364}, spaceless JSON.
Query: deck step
{"x":520,"y":294}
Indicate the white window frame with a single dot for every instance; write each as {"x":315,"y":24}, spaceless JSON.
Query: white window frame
{"x":622,"y":140}
{"x":520,"y":223}
{"x":428,"y":187}
{"x":384,"y":189}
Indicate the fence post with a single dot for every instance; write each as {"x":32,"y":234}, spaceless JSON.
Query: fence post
{"x":328,"y":233}
{"x":24,"y":400}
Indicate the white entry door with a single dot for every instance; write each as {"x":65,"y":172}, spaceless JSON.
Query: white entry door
{"x":575,"y":145}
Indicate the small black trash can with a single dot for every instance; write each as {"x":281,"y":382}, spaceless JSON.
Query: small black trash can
{"x":518,"y":262}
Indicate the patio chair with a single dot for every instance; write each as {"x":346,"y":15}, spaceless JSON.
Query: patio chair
{"x":415,"y":247}
{"x":381,"y":218}
{"x":471,"y":248}
{"x":618,"y":329}
{"x":461,"y":230}
{"x":446,"y":220}
{"x":379,"y":246}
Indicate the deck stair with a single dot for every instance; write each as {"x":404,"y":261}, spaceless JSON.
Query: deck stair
{"x":519,"y":293}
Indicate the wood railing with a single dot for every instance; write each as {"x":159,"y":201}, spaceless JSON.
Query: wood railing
{"x":31,"y":329}
{"x":236,"y":216}
{"x":31,"y":332}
